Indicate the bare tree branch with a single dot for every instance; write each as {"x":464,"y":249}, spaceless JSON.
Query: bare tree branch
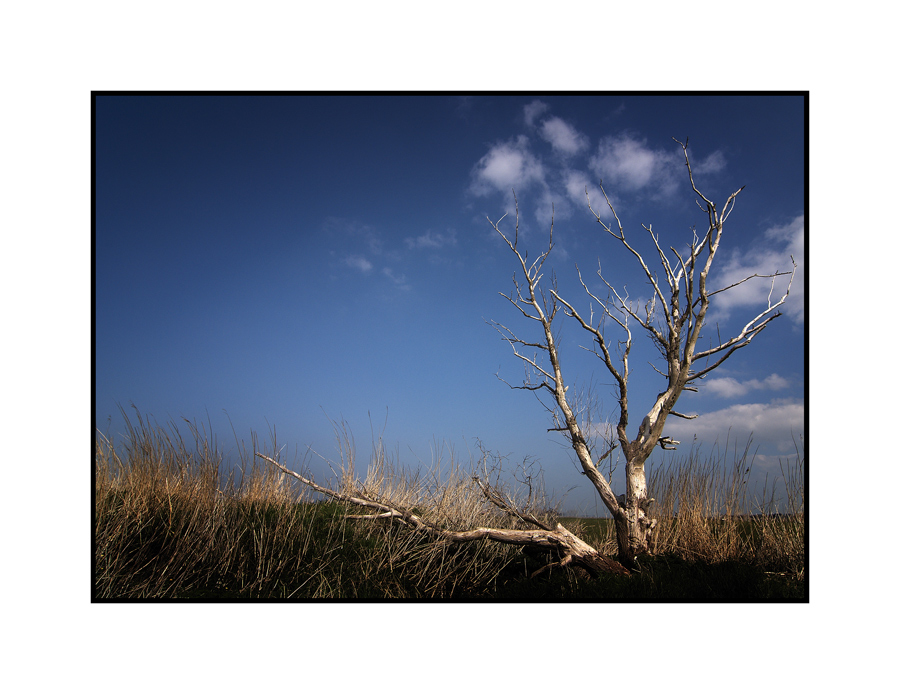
{"x":545,"y":316}
{"x":558,"y":538}
{"x":675,"y":330}
{"x":507,"y":506}
{"x":746,"y":279}
{"x":683,"y":416}
{"x":673,"y":319}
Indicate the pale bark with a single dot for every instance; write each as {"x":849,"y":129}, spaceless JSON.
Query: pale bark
{"x":684,"y":300}
{"x":571,"y":547}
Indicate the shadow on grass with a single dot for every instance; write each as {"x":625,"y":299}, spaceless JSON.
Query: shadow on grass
{"x":663,"y":579}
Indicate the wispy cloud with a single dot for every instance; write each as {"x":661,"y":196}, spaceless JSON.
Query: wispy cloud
{"x":398,"y":279}
{"x":776,"y":422}
{"x":358,"y":262}
{"x":431,"y":240}
{"x":629,"y":163}
{"x":727,"y":387}
{"x":782,"y":242}
{"x":359,"y":232}
{"x":507,"y":165}
{"x":368,"y":244}
{"x":534,"y":110}
{"x":714,"y":163}
{"x":514,"y":164}
{"x":558,"y":175}
{"x":576,"y":183}
{"x":550,"y":207}
{"x":563,"y":137}
{"x":615,"y":113}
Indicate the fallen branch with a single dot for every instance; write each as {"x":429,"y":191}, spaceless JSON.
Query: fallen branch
{"x":573,"y":548}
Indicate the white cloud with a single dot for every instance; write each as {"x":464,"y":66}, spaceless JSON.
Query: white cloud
{"x":632,"y":165}
{"x":358,"y":262}
{"x":773,"y":382}
{"x":398,"y":280}
{"x":533,"y":111}
{"x":727,"y":387}
{"x":506,"y":166}
{"x":777,"y":422}
{"x":625,"y":163}
{"x":563,"y":137}
{"x":432,"y":239}
{"x":550,"y":207}
{"x":575,"y":183}
{"x":714,"y":163}
{"x":790,"y":233}
{"x":784,"y":241}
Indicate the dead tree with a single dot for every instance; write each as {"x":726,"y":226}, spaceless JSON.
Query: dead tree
{"x":684,"y":301}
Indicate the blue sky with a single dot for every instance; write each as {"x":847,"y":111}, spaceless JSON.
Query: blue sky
{"x":290,"y":259}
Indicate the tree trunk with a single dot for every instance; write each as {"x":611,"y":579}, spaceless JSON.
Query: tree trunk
{"x":634,"y":527}
{"x":580,"y":553}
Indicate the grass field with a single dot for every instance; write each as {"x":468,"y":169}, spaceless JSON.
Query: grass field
{"x":168,"y":525}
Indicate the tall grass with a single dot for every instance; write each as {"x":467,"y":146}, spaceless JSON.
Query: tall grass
{"x":170,"y":523}
{"x":707,"y":510}
{"x":167,"y":523}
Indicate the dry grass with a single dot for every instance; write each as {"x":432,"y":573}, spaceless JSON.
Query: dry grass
{"x":169,"y":524}
{"x":706,"y":511}
{"x":166,"y":523}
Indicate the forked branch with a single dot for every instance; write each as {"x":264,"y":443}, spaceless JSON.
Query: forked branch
{"x":573,"y":549}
